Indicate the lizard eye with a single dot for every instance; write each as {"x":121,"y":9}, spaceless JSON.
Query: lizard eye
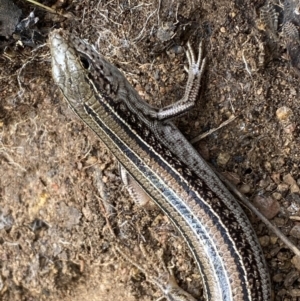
{"x":85,"y":62}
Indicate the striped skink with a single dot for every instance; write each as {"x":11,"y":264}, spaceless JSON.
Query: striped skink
{"x":154,"y":153}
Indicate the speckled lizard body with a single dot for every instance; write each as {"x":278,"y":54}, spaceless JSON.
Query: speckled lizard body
{"x":165,"y":166}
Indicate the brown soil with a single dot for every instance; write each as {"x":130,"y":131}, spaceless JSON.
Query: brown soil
{"x":59,"y":185}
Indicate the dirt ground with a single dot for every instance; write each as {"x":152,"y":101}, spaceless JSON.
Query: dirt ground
{"x":63,"y":211}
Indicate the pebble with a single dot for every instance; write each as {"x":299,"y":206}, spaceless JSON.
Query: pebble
{"x":283,"y":113}
{"x":267,"y":206}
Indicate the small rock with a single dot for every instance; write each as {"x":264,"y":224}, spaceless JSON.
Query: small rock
{"x":294,"y":188}
{"x":296,"y":262}
{"x":290,"y":278}
{"x":290,"y":128}
{"x":223,"y":159}
{"x":264,"y":183}
{"x":259,"y":91}
{"x":295,"y":232}
{"x":278,"y":278}
{"x":282,"y":187}
{"x":294,"y":292}
{"x":293,"y":208}
{"x":232,"y":177}
{"x":273,"y":240}
{"x":9,"y":17}
{"x":277,"y":196}
{"x":87,"y":213}
{"x":267,"y":206}
{"x":279,"y":221}
{"x":264,"y":240}
{"x":283,"y":113}
{"x":268,"y":166}
{"x":245,"y":188}
{"x":288,"y":179}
